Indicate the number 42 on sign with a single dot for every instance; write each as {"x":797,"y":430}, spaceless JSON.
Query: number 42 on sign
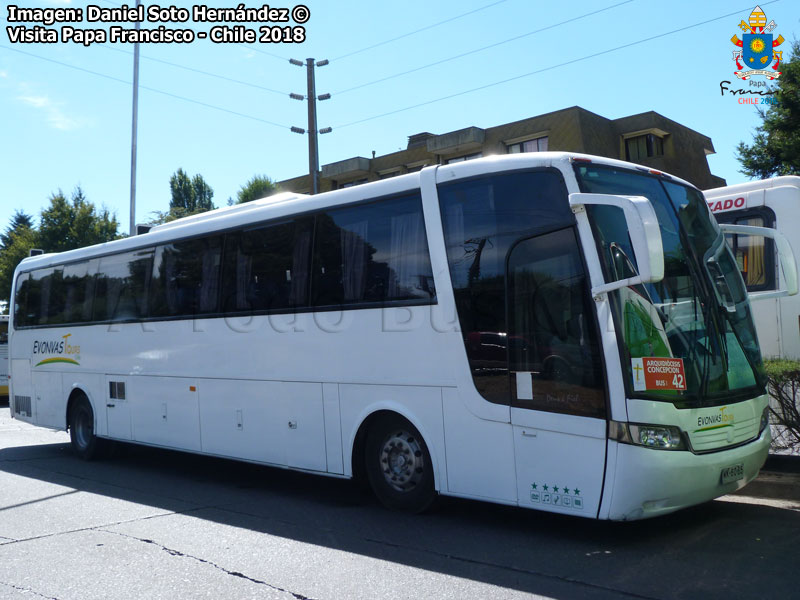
{"x":658,"y":373}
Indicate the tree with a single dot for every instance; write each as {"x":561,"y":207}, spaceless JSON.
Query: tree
{"x":64,"y":225}
{"x":259,"y":186}
{"x":783,"y":384}
{"x":18,"y":221}
{"x":17,"y":241}
{"x":189,"y":196}
{"x":75,"y":223}
{"x":776,"y":144}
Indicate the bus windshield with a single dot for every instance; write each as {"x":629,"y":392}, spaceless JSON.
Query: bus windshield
{"x":698,"y":313}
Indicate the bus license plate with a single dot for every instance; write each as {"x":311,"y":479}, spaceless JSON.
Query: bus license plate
{"x":733,"y":473}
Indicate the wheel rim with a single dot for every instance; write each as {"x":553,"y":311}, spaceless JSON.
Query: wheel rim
{"x":402,"y":461}
{"x":84,"y":429}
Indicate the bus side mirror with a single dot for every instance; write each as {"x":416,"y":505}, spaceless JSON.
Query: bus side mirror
{"x":785,"y":256}
{"x":644,"y":232}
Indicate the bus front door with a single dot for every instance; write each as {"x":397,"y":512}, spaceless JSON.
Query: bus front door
{"x":558,"y":405}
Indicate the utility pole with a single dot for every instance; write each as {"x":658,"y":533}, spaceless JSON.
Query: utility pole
{"x":134,"y":123}
{"x":313,"y":138}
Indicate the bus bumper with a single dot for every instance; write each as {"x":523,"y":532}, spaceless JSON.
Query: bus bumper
{"x":648,"y":483}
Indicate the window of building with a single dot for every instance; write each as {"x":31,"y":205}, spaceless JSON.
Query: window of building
{"x":414,"y":168}
{"x":536,"y":145}
{"x":463,"y":158}
{"x":643,"y":146}
{"x":352,"y":183}
{"x":388,"y":174}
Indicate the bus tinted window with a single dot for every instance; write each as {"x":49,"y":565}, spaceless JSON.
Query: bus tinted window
{"x":186,"y":278}
{"x":121,"y":287}
{"x":38,"y":296}
{"x":22,"y":313}
{"x":755,"y":255}
{"x":77,"y":288}
{"x":482,"y":218}
{"x":375,"y":252}
{"x":552,"y":337}
{"x":267,"y":268}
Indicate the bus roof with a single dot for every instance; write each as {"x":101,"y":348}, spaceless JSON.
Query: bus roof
{"x":750,"y":186}
{"x":287,"y":204}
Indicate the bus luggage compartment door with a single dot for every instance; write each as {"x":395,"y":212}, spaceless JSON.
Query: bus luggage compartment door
{"x":118,"y":408}
{"x":49,"y":400}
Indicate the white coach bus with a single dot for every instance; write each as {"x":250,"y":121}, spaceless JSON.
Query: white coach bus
{"x":548,"y":330}
{"x":769,"y":203}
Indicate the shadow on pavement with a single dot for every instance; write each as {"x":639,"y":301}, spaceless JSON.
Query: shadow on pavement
{"x":717,"y":550}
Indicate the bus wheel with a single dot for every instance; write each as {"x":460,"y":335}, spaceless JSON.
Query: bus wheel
{"x":399,"y":466}
{"x":81,"y":430}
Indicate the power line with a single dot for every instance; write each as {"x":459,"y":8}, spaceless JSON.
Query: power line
{"x":405,"y":35}
{"x":200,"y":71}
{"x":444,"y":60}
{"x":260,"y":51}
{"x":550,"y":68}
{"x":149,"y":89}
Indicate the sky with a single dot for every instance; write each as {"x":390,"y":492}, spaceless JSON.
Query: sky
{"x":396,"y":68}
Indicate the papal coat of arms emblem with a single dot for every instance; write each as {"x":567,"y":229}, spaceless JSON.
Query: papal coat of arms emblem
{"x":757,"y":55}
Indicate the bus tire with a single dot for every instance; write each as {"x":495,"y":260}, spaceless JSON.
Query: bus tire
{"x":81,"y":430}
{"x":398,"y":465}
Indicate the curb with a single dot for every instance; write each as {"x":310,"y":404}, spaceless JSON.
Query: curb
{"x":773,"y":485}
{"x":779,"y":480}
{"x":783,"y":463}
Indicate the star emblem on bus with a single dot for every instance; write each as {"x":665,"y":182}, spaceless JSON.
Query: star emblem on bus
{"x":757,"y":48}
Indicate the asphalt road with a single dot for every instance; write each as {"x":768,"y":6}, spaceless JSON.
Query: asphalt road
{"x":158,"y":524}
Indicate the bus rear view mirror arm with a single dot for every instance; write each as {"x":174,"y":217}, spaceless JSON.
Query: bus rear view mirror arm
{"x":644,"y":232}
{"x":785,"y":255}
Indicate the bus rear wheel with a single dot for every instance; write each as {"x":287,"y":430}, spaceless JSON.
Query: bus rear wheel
{"x":81,"y":430}
{"x":398,"y":465}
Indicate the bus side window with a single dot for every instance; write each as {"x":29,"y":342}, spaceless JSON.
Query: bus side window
{"x":122,"y":286}
{"x":755,"y":255}
{"x":23,"y":315}
{"x":372,"y":253}
{"x":266,"y":268}
{"x":186,"y":278}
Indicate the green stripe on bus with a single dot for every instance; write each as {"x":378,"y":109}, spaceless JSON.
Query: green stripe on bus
{"x":713,"y":427}
{"x":48,"y":361}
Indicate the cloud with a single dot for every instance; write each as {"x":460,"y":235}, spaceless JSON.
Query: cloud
{"x":53,"y":113}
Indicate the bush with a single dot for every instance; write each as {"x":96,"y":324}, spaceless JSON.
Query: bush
{"x":783,"y":384}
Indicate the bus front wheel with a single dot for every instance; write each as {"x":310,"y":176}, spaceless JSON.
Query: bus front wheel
{"x":81,"y":430}
{"x":398,"y":465}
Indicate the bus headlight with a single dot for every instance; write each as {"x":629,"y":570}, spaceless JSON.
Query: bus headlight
{"x":764,"y":420}
{"x":660,"y":437}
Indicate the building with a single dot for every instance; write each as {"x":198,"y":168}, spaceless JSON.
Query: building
{"x":649,"y":139}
